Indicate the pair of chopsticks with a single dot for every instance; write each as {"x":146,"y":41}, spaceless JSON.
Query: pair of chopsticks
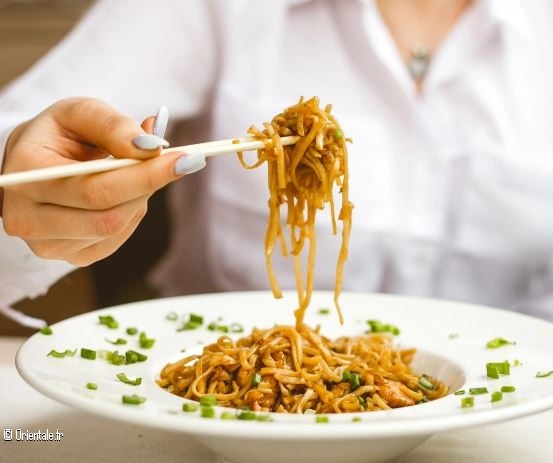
{"x":212,"y":148}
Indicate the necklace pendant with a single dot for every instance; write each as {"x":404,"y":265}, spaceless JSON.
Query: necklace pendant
{"x":419,"y":62}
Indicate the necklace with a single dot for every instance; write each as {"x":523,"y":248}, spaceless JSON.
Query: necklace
{"x":419,"y":61}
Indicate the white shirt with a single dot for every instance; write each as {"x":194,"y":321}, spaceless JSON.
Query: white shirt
{"x":453,"y":188}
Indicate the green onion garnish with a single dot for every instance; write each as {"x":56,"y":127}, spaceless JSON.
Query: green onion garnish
{"x":207,"y":412}
{"x":194,"y":322}
{"x":337,"y":133}
{"x":494,"y":369}
{"x":196,"y":318}
{"x":352,"y":378}
{"x":356,"y":419}
{"x":59,"y":355}
{"x":228,"y":416}
{"x":264,"y":418}
{"x":496,"y":396}
{"x":362,"y":401}
{"x":498,"y":342}
{"x":133,"y":399}
{"x":132,"y":331}
{"x":544,"y":374}
{"x":459,"y":392}
{"x":132,"y":382}
{"x":467,"y":402}
{"x":88,"y":354}
{"x":321,"y":419}
{"x":46,"y":330}
{"x":236,"y":328}
{"x":91,"y":386}
{"x":131,"y":356}
{"x":478,"y":390}
{"x":424,"y":382}
{"x":117,"y":342}
{"x":256,"y":379}
{"x":172,"y":316}
{"x":116,"y":358}
{"x":208,"y":400}
{"x":324,"y":311}
{"x":508,"y":389}
{"x":247,"y":415}
{"x":189,"y":407}
{"x":145,"y":342}
{"x":517,"y":363}
{"x":377,"y":327}
{"x":108,"y":321}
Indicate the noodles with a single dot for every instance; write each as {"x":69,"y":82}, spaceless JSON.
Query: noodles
{"x":294,"y":369}
{"x":303,"y":176}
{"x":302,"y":370}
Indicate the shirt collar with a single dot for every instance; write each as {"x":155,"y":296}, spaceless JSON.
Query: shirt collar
{"x":509,"y":15}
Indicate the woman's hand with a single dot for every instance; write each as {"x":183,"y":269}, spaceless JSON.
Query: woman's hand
{"x":83,"y":219}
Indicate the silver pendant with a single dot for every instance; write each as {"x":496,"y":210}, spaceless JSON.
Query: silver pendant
{"x":419,"y":62}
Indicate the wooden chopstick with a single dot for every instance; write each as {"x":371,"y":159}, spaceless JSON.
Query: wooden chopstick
{"x":212,"y":148}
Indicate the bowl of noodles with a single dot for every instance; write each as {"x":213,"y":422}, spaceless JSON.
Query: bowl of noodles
{"x":440,"y":345}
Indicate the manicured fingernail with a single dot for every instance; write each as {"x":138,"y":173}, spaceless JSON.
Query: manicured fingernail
{"x":190,"y":163}
{"x":161,"y":120}
{"x":149,"y":142}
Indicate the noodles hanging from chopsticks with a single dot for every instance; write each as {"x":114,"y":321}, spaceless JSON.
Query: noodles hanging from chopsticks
{"x":296,"y":369}
{"x":303,"y":177}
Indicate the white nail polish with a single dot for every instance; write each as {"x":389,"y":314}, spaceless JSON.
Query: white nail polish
{"x":190,"y":163}
{"x":149,"y":142}
{"x":161,"y":121}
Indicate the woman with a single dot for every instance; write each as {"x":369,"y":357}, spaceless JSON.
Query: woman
{"x":447,"y":101}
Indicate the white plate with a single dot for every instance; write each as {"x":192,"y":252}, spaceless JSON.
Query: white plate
{"x":428,"y":325}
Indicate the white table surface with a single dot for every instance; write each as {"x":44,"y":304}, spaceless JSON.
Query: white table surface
{"x":89,"y":438}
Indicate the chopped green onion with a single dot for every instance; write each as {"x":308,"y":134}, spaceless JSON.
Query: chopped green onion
{"x":208,"y":400}
{"x":544,"y":374}
{"x":352,"y":378}
{"x":132,"y":382}
{"x":228,"y":416}
{"x":377,"y":327}
{"x":337,"y":133}
{"x":356,"y":419}
{"x":172,"y":316}
{"x":133,"y":399}
{"x":236,"y":328}
{"x":131,"y":356}
{"x":467,"y":402}
{"x":496,"y":396}
{"x":264,"y":418}
{"x":459,"y":392}
{"x":498,"y":342}
{"x":508,"y":389}
{"x":424,"y":382}
{"x":145,"y":342}
{"x":59,"y":355}
{"x":362,"y":401}
{"x":247,"y":415}
{"x":478,"y":390}
{"x":91,"y":386}
{"x":324,"y":311}
{"x":494,"y":369}
{"x":88,"y":354}
{"x":117,"y":359}
{"x":196,"y":318}
{"x":117,"y":342}
{"x":132,"y":331}
{"x":207,"y":412}
{"x":256,"y":379}
{"x":517,"y":363}
{"x":321,"y":419}
{"x":189,"y":407}
{"x":46,"y":330}
{"x":108,"y":321}
{"x":193,"y":323}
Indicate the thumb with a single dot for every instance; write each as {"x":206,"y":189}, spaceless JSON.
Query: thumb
{"x":95,"y":122}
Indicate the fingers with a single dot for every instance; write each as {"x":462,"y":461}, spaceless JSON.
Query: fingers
{"x":95,"y":122}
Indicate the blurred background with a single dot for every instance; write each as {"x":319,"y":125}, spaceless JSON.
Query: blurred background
{"x":28,"y":30}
